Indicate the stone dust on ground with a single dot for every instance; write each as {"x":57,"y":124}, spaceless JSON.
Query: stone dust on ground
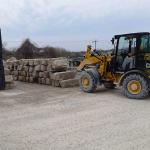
{"x":36,"y":117}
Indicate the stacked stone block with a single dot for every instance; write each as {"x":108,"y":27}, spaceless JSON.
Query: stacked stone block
{"x":52,"y":71}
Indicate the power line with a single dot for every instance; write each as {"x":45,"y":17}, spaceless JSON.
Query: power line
{"x":61,"y":41}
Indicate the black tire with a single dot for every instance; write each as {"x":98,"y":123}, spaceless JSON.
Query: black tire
{"x":143,"y":84}
{"x":92,"y":82}
{"x":109,"y":85}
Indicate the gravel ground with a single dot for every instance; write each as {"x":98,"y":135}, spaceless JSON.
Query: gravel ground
{"x":36,"y":117}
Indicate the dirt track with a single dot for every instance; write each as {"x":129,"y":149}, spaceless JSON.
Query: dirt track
{"x":35,"y":117}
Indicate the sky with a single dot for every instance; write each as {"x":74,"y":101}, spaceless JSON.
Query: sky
{"x":71,"y":24}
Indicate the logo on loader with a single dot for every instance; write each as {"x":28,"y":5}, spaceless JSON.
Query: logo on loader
{"x":148,"y":65}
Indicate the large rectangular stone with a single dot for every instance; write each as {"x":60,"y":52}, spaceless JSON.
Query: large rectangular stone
{"x":27,"y":79}
{"x":8,"y":78}
{"x":20,"y":67}
{"x":31,"y":79}
{"x":43,"y":80}
{"x":43,"y":68}
{"x":59,"y":64}
{"x":31,"y":69}
{"x":36,"y":62}
{"x":20,"y":78}
{"x":15,"y":78}
{"x":37,"y":68}
{"x":16,"y":73}
{"x":45,"y":74}
{"x":39,"y":80}
{"x":35,"y":74}
{"x":48,"y":81}
{"x":63,"y":75}
{"x":44,"y":62}
{"x":55,"y":83}
{"x":26,"y":62}
{"x":23,"y":73}
{"x":26,"y":68}
{"x":7,"y":71}
{"x":41,"y":74}
{"x":31,"y":62}
{"x":69,"y":83}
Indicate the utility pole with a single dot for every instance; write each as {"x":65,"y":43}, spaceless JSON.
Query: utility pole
{"x":2,"y":74}
{"x":95,"y":43}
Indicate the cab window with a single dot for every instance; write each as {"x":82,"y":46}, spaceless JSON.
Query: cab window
{"x":126,"y":45}
{"x":123,"y":46}
{"x":145,"y":44}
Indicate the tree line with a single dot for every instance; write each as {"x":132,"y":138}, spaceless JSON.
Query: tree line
{"x":28,"y":50}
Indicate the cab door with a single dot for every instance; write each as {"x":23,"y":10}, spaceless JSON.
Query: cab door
{"x":125,"y":46}
{"x":143,"y":56}
{"x":121,"y":52}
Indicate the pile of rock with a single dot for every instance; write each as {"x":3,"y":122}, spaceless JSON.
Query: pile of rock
{"x":52,"y":71}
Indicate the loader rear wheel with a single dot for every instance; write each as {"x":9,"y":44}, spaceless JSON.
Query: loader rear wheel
{"x":135,"y":86}
{"x":87,"y":82}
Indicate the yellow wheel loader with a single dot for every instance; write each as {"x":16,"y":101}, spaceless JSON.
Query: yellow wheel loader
{"x":127,"y":66}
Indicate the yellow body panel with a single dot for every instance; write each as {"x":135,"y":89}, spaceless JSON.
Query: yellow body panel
{"x":102,"y":60}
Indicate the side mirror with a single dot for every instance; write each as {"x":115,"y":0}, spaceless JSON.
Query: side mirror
{"x":113,"y":41}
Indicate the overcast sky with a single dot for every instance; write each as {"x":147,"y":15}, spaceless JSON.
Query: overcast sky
{"x":71,"y":23}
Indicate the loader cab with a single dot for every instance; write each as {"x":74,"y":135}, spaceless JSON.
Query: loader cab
{"x":132,"y":51}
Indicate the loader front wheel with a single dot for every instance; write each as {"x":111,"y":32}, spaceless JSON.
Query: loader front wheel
{"x":87,"y":82}
{"x":135,"y":86}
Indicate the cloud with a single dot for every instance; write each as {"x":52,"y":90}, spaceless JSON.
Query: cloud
{"x":68,"y":19}
{"x":9,"y":11}
{"x":13,"y":11}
